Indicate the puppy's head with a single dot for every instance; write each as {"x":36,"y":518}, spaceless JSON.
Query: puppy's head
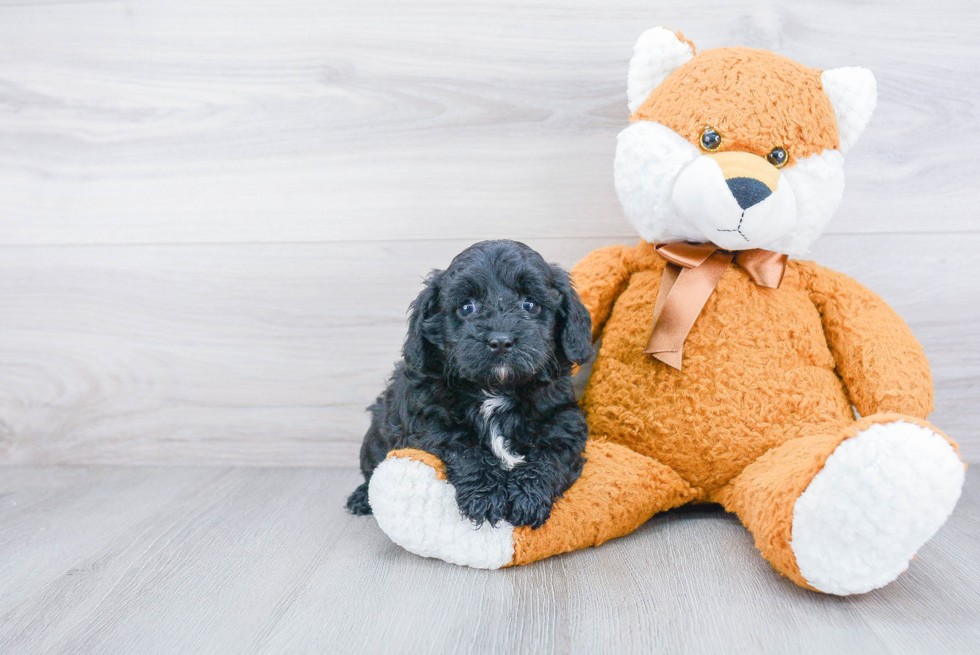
{"x":498,"y":316}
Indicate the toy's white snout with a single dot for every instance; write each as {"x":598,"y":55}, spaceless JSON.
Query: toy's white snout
{"x":736,"y":200}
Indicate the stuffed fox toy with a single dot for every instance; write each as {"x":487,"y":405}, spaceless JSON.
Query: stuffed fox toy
{"x":729,"y":371}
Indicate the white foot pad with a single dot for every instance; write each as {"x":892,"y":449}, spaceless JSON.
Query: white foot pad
{"x":418,"y":512}
{"x":880,"y":496}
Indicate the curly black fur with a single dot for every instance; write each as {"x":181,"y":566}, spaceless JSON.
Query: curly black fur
{"x":460,"y":385}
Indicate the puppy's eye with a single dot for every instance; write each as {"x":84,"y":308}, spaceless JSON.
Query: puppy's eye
{"x":531,"y":307}
{"x":778,"y":157}
{"x":467,"y":308}
{"x":710,"y":139}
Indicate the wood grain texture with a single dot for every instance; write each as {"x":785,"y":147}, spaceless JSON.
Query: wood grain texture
{"x":253,"y":560}
{"x":213,"y":215}
{"x":268,"y":354}
{"x":241,"y":120}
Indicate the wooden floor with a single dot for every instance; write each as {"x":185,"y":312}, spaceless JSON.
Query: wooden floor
{"x":242,"y":560}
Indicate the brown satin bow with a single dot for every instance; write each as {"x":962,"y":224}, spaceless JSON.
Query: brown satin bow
{"x":691,"y":275}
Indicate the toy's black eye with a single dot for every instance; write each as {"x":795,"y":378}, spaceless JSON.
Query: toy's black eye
{"x":778,"y":157}
{"x":467,"y":308}
{"x":531,"y":307}
{"x":710,"y":139}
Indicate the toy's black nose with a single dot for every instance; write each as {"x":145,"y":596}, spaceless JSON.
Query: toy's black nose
{"x":500,"y":342}
{"x":748,"y":191}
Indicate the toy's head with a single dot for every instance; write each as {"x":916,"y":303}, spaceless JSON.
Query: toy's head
{"x":735,"y":146}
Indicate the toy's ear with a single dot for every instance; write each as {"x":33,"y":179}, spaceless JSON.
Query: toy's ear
{"x":656,"y":54}
{"x":853,"y":93}
{"x":425,"y":339}
{"x":573,"y":325}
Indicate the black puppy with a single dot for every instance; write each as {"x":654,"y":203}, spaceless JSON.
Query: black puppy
{"x":485,"y":385}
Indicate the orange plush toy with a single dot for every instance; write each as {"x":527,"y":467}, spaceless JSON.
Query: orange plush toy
{"x":728,"y":372}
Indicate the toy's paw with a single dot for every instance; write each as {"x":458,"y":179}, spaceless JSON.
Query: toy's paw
{"x":881,"y":495}
{"x":416,"y":507}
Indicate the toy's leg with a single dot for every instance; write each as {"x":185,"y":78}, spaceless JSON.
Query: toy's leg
{"x":845,"y":512}
{"x":617,"y":492}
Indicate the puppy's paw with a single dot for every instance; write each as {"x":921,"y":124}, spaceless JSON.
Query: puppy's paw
{"x":481,"y":488}
{"x":530,"y":505}
{"x":531,"y":514}
{"x":481,"y":503}
{"x":357,"y":502}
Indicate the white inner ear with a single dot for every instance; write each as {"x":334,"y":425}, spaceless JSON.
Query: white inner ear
{"x":853,"y":93}
{"x":657,"y":53}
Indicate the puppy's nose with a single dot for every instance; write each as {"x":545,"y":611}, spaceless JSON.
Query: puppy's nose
{"x":500,"y":342}
{"x":748,"y":191}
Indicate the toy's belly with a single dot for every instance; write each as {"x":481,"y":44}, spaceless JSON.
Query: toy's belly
{"x":756,"y":372}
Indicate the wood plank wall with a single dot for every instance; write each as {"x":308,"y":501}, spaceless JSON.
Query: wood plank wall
{"x":214,"y":215}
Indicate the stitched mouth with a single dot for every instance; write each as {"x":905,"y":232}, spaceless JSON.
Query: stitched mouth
{"x":738,"y":228}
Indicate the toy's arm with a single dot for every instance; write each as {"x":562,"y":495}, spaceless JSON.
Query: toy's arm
{"x":599,"y":279}
{"x":880,"y":361}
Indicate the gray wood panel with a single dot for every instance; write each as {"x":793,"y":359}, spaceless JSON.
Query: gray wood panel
{"x":243,"y":120}
{"x":249,"y":560}
{"x":268,"y":354}
{"x":213,"y":215}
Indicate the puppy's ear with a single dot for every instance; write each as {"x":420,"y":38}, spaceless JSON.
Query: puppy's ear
{"x":424,"y":325}
{"x":573,"y":325}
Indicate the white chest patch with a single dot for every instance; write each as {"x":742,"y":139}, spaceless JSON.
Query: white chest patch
{"x":498,"y":443}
